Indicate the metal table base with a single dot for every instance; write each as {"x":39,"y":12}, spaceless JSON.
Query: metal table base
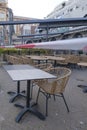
{"x":28,"y":107}
{"x":16,"y":94}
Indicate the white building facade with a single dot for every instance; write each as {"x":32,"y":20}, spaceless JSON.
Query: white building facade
{"x":70,"y":9}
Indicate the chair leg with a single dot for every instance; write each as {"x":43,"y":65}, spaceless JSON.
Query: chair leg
{"x":47,"y":97}
{"x":32,"y":85}
{"x":54,"y":97}
{"x":37,"y":96}
{"x":65,"y":102}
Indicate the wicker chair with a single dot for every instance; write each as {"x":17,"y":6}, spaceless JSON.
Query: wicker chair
{"x":13,"y":59}
{"x":54,"y":87}
{"x":46,"y":67}
{"x":27,"y":60}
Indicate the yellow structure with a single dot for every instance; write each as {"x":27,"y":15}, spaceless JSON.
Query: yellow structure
{"x":8,"y":33}
{"x":3,"y":10}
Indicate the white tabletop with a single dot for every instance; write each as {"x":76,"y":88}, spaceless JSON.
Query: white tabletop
{"x":29,"y":73}
{"x":38,"y":57}
{"x":17,"y":67}
{"x":82,"y":64}
{"x":55,"y":58}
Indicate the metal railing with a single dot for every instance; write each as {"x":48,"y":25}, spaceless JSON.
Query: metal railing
{"x":48,"y":24}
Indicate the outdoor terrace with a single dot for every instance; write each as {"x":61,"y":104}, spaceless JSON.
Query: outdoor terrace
{"x":58,"y":117}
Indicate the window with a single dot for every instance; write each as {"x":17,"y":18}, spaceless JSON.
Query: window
{"x":26,"y":32}
{"x":77,"y":7}
{"x":63,"y":4}
{"x":71,"y":9}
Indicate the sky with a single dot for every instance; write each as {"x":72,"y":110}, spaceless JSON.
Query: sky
{"x":33,"y":8}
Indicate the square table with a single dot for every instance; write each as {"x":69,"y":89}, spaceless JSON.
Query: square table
{"x":55,"y":59}
{"x":28,"y":75}
{"x":38,"y":58}
{"x":17,"y":67}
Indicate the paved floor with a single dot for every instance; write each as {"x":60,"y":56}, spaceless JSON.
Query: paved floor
{"x":58,"y":118}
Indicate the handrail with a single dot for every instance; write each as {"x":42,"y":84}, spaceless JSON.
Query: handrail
{"x":50,"y":22}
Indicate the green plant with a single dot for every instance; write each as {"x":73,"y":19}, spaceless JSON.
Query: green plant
{"x":1,"y":50}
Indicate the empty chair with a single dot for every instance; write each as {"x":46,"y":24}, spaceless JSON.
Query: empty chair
{"x":54,"y":87}
{"x":28,"y":60}
{"x":46,"y":67}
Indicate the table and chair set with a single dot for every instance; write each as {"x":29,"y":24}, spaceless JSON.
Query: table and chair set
{"x":51,"y":81}
{"x":46,"y":59}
